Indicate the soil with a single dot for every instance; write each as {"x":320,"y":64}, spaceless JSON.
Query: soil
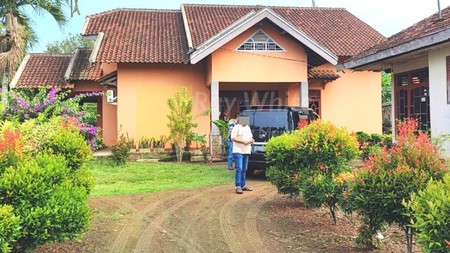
{"x":216,"y":219}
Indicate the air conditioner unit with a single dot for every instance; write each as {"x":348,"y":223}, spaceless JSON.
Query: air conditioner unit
{"x":110,"y":98}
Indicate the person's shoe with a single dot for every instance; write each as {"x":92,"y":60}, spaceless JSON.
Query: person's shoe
{"x":247,"y":189}
{"x":239,"y":191}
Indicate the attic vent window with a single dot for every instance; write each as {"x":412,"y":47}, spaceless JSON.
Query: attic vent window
{"x":260,"y":41}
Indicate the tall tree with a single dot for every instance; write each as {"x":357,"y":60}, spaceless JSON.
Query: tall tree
{"x":69,"y":45}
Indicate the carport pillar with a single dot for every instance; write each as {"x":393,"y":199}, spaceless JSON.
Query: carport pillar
{"x":304,"y":94}
{"x":214,"y":139}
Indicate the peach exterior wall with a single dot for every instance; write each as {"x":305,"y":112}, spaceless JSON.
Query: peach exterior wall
{"x":143,"y":91}
{"x":353,"y":101}
{"x":228,"y":65}
{"x":108,"y":112}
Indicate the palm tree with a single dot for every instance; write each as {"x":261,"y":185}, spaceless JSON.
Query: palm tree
{"x":16,"y":33}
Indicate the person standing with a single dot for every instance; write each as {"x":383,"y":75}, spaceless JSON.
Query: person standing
{"x":231,"y":124}
{"x":242,"y":138}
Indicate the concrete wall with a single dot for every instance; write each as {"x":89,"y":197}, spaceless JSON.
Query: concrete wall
{"x":440,"y":110}
{"x":230,"y":65}
{"x":143,"y":91}
{"x":352,"y":101}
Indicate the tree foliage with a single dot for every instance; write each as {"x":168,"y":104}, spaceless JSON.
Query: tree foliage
{"x":69,"y":45}
{"x":386,"y":87}
{"x":181,"y":119}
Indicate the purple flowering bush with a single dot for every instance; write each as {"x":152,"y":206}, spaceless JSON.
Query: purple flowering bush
{"x":43,"y":105}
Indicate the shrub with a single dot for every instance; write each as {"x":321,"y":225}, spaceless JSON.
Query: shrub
{"x":121,"y":151}
{"x":9,"y":228}
{"x":50,"y":207}
{"x":308,"y":160}
{"x":431,"y":215}
{"x":44,"y":105}
{"x":71,"y":145}
{"x":44,"y":197}
{"x":379,"y":187}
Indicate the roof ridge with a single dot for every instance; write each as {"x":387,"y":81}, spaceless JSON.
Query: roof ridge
{"x":131,"y":9}
{"x":267,"y":6}
{"x":50,"y":54}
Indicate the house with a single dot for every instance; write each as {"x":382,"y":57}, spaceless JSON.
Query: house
{"x":419,"y":58}
{"x":228,"y":56}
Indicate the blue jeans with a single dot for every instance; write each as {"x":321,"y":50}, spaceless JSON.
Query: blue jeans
{"x":230,"y":154}
{"x":241,"y":161}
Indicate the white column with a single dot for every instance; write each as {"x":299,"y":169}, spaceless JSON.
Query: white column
{"x":304,"y":94}
{"x":215,"y":108}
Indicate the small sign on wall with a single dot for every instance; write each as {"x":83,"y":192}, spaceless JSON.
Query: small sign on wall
{"x":110,"y":98}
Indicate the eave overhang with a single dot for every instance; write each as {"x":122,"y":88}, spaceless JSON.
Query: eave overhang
{"x":377,"y":60}
{"x":250,"y":20}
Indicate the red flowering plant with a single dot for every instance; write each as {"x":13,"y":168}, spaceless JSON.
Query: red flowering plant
{"x":388,"y":178}
{"x":11,"y":147}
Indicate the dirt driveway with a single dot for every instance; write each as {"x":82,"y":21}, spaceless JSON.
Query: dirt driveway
{"x":214,"y":219}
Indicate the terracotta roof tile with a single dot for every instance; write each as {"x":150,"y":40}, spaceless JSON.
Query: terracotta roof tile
{"x":82,"y":69}
{"x":44,"y":70}
{"x":423,"y":28}
{"x":334,"y":28}
{"x":326,"y":74}
{"x":140,"y":36}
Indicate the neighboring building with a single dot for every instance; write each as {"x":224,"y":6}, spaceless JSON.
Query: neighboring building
{"x":419,"y":58}
{"x":228,"y":56}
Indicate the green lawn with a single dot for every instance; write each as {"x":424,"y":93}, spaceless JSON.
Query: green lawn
{"x":134,"y":178}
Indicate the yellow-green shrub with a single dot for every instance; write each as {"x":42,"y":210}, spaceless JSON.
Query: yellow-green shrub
{"x":46,"y":200}
{"x":430,"y":213}
{"x":9,"y":228}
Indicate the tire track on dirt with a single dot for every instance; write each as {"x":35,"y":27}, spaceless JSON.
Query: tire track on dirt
{"x":146,"y":238}
{"x":122,"y":239}
{"x":251,"y":229}
{"x":228,"y":225}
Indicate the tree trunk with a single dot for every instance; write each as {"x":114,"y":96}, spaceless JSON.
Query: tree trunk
{"x":179,"y":152}
{"x":409,"y":238}
{"x":333,"y":213}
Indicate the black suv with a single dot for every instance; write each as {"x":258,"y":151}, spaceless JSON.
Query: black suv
{"x":269,"y":121}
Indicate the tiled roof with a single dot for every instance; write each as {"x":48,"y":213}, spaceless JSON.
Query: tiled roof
{"x":334,"y":28}
{"x":82,"y":69}
{"x":419,"y":30}
{"x":44,"y":70}
{"x":326,"y":74}
{"x":140,"y":36}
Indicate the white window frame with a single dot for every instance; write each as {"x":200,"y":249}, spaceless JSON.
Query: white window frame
{"x":266,"y":44}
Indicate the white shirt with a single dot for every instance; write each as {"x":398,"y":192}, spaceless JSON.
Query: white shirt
{"x":242,"y":133}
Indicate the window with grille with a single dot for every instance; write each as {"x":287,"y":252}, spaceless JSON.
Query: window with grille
{"x":314,"y":101}
{"x":260,"y":41}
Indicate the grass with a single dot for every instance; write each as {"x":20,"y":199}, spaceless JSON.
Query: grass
{"x":135,"y":178}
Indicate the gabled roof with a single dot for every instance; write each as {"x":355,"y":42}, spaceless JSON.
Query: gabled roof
{"x":250,"y":20}
{"x":164,"y":36}
{"x":41,"y":70}
{"x":48,"y":70}
{"x":420,"y":36}
{"x":334,"y":28}
{"x":139,"y":36}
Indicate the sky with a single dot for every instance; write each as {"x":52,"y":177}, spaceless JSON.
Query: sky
{"x":386,"y":16}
